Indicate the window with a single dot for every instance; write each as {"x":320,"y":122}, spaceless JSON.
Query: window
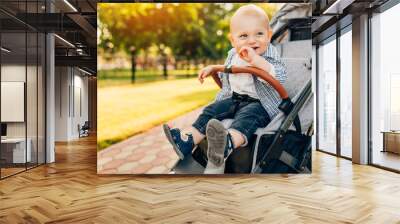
{"x":327,"y":96}
{"x":346,"y":94}
{"x":385,"y":89}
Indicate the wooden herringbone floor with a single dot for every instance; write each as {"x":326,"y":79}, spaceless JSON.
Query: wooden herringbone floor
{"x":70,"y":191}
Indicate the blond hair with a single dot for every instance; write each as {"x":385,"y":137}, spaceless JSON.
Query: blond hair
{"x":250,"y":10}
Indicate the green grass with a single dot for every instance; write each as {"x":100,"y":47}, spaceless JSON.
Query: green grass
{"x":117,"y":77}
{"x":115,"y":73}
{"x":127,"y":110}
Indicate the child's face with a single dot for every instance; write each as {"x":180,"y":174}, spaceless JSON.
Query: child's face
{"x":250,"y":31}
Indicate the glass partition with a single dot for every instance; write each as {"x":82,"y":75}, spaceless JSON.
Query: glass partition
{"x":22,"y":77}
{"x":31,"y":100}
{"x":385,"y":89}
{"x":33,"y":42}
{"x":14,"y":154}
{"x":346,"y":94}
{"x":327,"y":96}
{"x":41,"y":85}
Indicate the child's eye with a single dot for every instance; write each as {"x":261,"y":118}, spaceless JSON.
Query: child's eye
{"x":242,"y":36}
{"x":260,"y":33}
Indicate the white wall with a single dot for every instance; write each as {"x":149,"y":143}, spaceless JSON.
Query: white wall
{"x":71,"y":87}
{"x":62,"y":81}
{"x":33,"y":126}
{"x":14,"y":73}
{"x":80,"y":101}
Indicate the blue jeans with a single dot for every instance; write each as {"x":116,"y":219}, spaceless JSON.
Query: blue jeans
{"x":247,"y":113}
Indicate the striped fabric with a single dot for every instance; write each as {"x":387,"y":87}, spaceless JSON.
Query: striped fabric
{"x":268,"y":96}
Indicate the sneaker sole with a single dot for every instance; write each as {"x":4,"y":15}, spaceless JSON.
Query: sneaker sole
{"x":216,"y":135}
{"x":212,"y":169}
{"x":170,"y":139}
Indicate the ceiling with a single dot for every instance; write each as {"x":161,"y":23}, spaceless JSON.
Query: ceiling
{"x":74,"y":22}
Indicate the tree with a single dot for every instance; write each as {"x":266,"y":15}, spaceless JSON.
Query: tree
{"x":127,"y":24}
{"x":173,"y":25}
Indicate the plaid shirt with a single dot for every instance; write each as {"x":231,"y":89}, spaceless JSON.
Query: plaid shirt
{"x":268,"y":96}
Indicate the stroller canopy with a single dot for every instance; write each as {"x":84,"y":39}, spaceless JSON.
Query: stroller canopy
{"x":290,"y":11}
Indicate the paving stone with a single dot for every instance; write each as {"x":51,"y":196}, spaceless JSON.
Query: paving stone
{"x":160,"y":161}
{"x":157,"y":145}
{"x":146,"y":143}
{"x":149,"y":152}
{"x":136,"y":156}
{"x":131,"y":147}
{"x":174,"y":156}
{"x":154,"y":151}
{"x":109,"y":153}
{"x":141,"y":168}
{"x":147,"y":159}
{"x":113,"y":164}
{"x":167,"y":146}
{"x":103,"y":160}
{"x":142,"y":150}
{"x":150,"y":138}
{"x":157,"y":170}
{"x":166,"y":153}
{"x":123,"y":155}
{"x":122,"y":144}
{"x":171,"y":163}
{"x":127,"y":167}
{"x":108,"y":171}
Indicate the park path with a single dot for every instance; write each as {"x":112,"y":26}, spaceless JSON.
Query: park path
{"x":146,"y":153}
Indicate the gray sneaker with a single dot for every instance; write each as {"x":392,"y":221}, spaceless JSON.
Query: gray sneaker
{"x":219,"y":147}
{"x":213,"y":169}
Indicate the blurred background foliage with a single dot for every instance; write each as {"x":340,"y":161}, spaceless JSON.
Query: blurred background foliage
{"x":165,"y":36}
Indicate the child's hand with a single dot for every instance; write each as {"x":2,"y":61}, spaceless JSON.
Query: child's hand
{"x":248,"y":54}
{"x":204,"y":72}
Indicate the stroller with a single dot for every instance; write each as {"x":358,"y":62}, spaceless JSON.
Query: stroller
{"x":284,"y":145}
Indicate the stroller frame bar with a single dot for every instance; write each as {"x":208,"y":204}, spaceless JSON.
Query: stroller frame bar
{"x":278,"y":139}
{"x":304,"y":95}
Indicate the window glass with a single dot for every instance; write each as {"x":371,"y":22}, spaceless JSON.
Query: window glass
{"x":327,"y":97}
{"x":15,"y":150}
{"x":385,"y":89}
{"x":345,"y":94}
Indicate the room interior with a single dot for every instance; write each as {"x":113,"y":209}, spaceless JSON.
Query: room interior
{"x":47,"y":82}
{"x":48,"y":173}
